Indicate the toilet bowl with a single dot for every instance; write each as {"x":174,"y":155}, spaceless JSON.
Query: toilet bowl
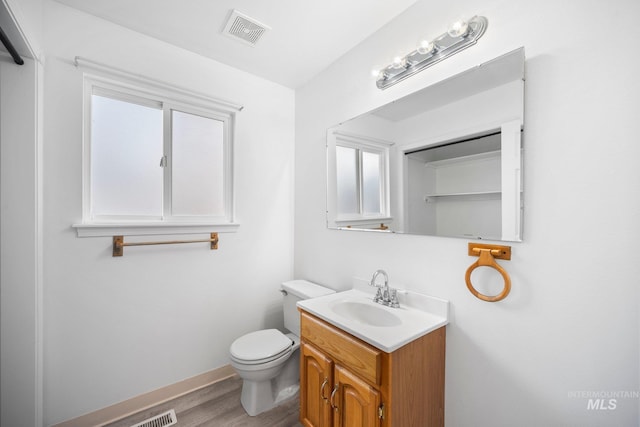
{"x":268,"y":360}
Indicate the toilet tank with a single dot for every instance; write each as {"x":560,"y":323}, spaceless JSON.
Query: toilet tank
{"x":298,"y":290}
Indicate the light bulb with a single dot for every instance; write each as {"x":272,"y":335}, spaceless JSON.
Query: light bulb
{"x":425,"y":46}
{"x":398,"y":62}
{"x":458,"y":29}
{"x":375,"y":73}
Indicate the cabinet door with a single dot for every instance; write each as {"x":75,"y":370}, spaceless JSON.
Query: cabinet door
{"x":316,"y":381}
{"x":355,"y":402}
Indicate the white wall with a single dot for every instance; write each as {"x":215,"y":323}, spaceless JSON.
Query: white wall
{"x":118,"y":327}
{"x":20,"y":218}
{"x":571,"y":321}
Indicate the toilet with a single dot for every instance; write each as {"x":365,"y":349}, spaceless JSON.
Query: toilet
{"x":268,"y":361}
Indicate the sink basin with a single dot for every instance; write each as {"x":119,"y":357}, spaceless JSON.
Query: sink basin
{"x":366,"y":313}
{"x":383,"y":327}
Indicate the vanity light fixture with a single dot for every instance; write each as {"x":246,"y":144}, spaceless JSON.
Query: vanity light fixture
{"x":459,"y":36}
{"x":458,"y":29}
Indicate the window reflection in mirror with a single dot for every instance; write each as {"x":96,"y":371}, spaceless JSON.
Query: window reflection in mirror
{"x":359,"y":180}
{"x":449,"y":159}
{"x":347,"y":170}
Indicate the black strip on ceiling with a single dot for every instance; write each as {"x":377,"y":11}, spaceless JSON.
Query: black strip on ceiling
{"x":454,"y":142}
{"x":12,"y":50}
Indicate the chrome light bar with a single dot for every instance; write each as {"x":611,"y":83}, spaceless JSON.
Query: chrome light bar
{"x":460,"y":36}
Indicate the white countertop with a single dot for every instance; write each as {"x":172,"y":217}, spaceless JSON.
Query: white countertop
{"x":417,"y":316}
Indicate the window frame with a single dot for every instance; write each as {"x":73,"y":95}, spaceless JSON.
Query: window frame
{"x":168,"y":99}
{"x":361,"y":144}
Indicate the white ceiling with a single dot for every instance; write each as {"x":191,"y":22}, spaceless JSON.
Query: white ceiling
{"x":305,"y":37}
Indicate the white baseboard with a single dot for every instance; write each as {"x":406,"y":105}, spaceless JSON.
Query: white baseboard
{"x":148,"y":400}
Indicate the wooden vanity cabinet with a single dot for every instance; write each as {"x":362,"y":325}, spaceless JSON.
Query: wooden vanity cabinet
{"x":316,"y":381}
{"x":345,"y":382}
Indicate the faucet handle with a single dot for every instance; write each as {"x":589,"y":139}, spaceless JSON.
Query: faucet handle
{"x":393,"y":298}
{"x":378,"y":297}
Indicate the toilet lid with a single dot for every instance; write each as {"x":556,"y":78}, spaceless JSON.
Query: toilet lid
{"x":260,"y":346}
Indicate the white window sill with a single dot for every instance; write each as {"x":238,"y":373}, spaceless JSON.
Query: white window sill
{"x":359,"y":220}
{"x":151,"y":228}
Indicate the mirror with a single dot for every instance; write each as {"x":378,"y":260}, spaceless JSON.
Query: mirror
{"x":443,"y":161}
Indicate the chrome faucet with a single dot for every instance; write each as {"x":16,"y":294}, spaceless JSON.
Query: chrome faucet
{"x":389,"y":296}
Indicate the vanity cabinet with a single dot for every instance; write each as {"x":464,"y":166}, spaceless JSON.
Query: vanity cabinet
{"x":334,"y":396}
{"x":345,"y":382}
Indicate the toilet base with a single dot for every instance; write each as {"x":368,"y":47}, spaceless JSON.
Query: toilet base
{"x":260,"y":396}
{"x":257,"y":398}
{"x":287,"y":393}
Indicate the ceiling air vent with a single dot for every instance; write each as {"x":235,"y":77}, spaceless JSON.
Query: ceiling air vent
{"x":242,"y":28}
{"x":163,"y":420}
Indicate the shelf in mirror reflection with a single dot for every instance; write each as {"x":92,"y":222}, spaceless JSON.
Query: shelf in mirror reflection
{"x":431,"y":197}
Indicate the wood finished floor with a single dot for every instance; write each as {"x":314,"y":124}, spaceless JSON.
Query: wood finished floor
{"x":218,"y":405}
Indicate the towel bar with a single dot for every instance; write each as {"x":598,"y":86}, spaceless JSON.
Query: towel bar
{"x":119,"y":244}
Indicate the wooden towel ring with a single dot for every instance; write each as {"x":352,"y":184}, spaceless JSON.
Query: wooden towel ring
{"x":487,"y":259}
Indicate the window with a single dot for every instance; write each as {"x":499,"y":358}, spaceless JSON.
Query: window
{"x":155,"y":158}
{"x":360,"y":179}
{"x":360,"y":182}
{"x":126,"y":146}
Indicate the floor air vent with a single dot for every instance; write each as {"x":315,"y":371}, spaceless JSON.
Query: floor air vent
{"x":165,"y":419}
{"x":243,"y":28}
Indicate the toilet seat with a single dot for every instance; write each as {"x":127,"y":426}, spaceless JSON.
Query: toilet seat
{"x":260,"y":347}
